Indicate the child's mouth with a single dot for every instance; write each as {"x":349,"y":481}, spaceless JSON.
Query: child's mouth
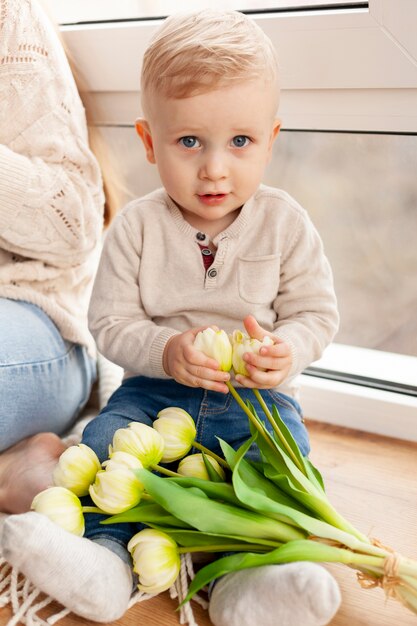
{"x":212,"y":198}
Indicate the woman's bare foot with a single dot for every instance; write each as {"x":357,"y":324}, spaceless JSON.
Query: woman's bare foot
{"x":26,"y":469}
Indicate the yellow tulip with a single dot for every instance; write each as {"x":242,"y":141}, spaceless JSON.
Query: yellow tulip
{"x":155,"y":559}
{"x":116,"y":490}
{"x":77,"y":468}
{"x":121,"y":459}
{"x":178,"y":431}
{"x":215,"y":344}
{"x":242,"y":343}
{"x":194,"y":466}
{"x":62,"y":507}
{"x":140,"y":440}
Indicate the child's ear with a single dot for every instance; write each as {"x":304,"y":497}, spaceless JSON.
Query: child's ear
{"x":144,"y":132}
{"x":274,"y":133}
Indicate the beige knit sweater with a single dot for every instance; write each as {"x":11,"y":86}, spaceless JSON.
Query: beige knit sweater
{"x":51,"y":200}
{"x":151,"y":282}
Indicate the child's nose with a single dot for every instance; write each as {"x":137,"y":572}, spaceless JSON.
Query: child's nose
{"x":214,"y":166}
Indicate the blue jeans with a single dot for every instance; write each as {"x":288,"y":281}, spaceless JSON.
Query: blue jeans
{"x":139,"y":399}
{"x":45,"y":381}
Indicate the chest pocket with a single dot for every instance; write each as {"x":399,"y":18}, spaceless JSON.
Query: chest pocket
{"x":258,"y":278}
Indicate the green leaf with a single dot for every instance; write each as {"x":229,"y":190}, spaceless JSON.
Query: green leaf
{"x":259,"y":494}
{"x":211,"y":516}
{"x":146,"y":513}
{"x":289,"y":478}
{"x":253,"y":478}
{"x":188,"y":538}
{"x":216,"y":491}
{"x":292,"y":551}
{"x":311,"y":471}
{"x":211,"y":471}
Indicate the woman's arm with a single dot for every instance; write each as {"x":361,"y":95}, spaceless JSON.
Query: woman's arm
{"x":51,"y":200}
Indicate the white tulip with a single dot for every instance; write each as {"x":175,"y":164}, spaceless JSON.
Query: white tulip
{"x":178,"y":431}
{"x":215,"y":344}
{"x":242,"y":343}
{"x":140,"y":440}
{"x":77,"y":468}
{"x":116,"y":490}
{"x":155,"y":559}
{"x":194,"y":466}
{"x":62,"y":507}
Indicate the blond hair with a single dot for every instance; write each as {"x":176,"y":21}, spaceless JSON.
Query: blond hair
{"x":195,"y":52}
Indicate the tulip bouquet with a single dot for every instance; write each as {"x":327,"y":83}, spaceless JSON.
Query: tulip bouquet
{"x":258,"y":513}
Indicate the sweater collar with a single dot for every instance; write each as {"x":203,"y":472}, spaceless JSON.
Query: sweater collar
{"x":233,"y":231}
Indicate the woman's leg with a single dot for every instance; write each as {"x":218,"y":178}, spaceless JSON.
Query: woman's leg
{"x":44,"y":383}
{"x":91,"y":575}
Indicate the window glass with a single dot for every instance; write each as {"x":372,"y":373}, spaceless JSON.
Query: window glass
{"x":73,"y":11}
{"x":361,"y":192}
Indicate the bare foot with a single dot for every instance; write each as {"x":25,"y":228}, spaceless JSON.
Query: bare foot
{"x":26,"y":469}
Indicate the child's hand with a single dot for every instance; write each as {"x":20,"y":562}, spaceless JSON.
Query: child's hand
{"x":271,"y":366}
{"x":191,"y":367}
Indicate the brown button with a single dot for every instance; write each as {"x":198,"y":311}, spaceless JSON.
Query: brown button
{"x":200,"y":236}
{"x":212,"y":273}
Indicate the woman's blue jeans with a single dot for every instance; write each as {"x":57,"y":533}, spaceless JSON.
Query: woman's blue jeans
{"x":139,"y":399}
{"x":45,"y":381}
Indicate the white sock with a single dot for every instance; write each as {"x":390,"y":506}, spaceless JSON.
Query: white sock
{"x":294,"y":594}
{"x":83,"y":576}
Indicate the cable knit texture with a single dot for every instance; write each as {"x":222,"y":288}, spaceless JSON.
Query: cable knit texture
{"x":51,"y":199}
{"x":151,"y":282}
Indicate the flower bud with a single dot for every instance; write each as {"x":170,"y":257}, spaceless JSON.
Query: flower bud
{"x":62,"y":507}
{"x":215,"y":344}
{"x":177,"y":429}
{"x":121,"y":459}
{"x":194,"y":466}
{"x":241,"y":344}
{"x":155,"y":559}
{"x":116,"y":490}
{"x":143,"y":441}
{"x":76,"y":469}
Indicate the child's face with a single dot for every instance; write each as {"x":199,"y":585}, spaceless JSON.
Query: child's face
{"x":211,"y":149}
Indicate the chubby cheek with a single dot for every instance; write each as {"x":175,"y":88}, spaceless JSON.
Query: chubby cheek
{"x":174,"y":179}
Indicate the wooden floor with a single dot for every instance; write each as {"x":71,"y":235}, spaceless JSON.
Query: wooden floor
{"x":373,"y":482}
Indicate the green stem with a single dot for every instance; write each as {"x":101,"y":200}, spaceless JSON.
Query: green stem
{"x":278,"y":432}
{"x":232,"y":547}
{"x":248,"y":412}
{"x":218,"y":458}
{"x":164,"y":470}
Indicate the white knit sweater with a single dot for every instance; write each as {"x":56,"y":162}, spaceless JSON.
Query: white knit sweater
{"x":51,"y":199}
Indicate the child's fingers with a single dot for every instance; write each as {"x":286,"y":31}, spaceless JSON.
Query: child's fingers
{"x":195,"y":357}
{"x":267,"y":363}
{"x":206,"y":373}
{"x":279,"y":349}
{"x":259,"y":379}
{"x":270,"y":358}
{"x":206,"y":379}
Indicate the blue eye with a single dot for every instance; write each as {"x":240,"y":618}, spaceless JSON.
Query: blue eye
{"x":189,"y":142}
{"x":240,"y":141}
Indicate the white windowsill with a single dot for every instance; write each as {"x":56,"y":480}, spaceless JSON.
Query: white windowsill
{"x":359,"y":407}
